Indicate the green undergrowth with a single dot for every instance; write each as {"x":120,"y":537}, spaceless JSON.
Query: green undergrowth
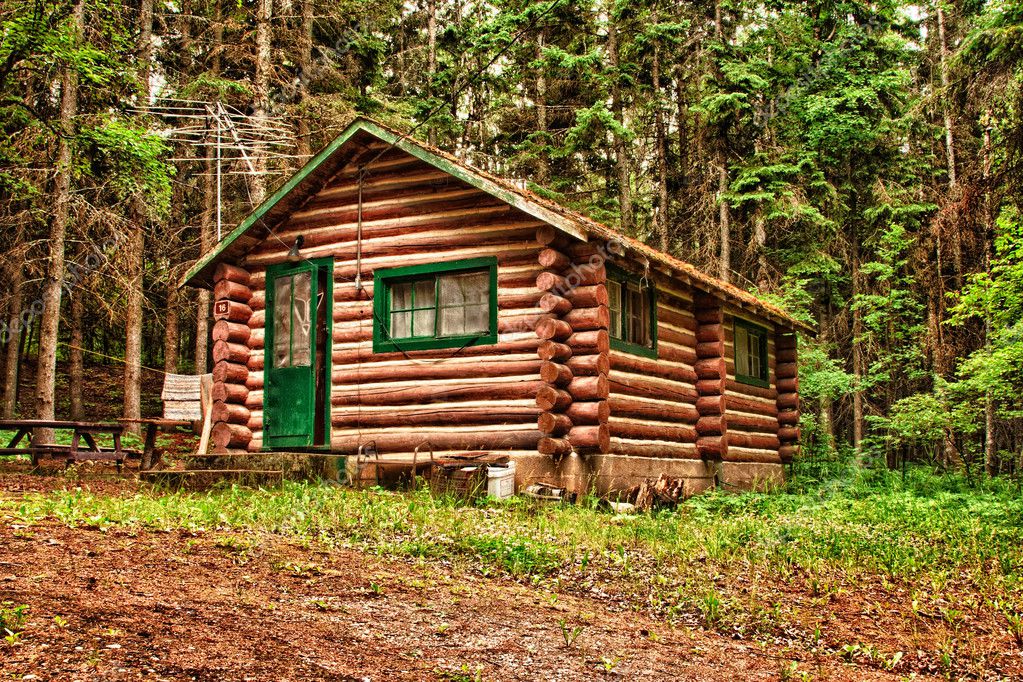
{"x":926,"y":528}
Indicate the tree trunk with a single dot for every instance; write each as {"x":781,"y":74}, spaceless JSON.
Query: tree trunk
{"x":857,"y":346}
{"x":950,"y":150}
{"x":261,"y":97}
{"x":620,"y":147}
{"x":305,"y":64}
{"x":990,"y":445}
{"x":543,"y":169}
{"x":724,"y":224}
{"x":53,"y":280}
{"x":171,"y":330}
{"x":76,"y":364}
{"x":15,"y":333}
{"x":431,"y":66}
{"x":661,"y":215}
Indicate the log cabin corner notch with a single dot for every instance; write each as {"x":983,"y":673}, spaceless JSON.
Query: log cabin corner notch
{"x":390,"y":296}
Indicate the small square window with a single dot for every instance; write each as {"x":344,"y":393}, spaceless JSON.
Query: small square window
{"x":750,"y":346}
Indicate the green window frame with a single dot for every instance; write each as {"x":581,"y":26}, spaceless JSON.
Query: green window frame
{"x":423,"y":296}
{"x":633,"y":308}
{"x":749,"y":352}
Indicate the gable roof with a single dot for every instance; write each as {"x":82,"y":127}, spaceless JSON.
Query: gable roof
{"x":314,"y":174}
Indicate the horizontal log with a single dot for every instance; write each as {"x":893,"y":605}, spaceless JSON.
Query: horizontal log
{"x":232,"y":311}
{"x":663,"y":410}
{"x":434,"y":415}
{"x":365,"y":354}
{"x":762,"y":457}
{"x":708,"y":314}
{"x":254,"y":399}
{"x":710,"y":405}
{"x":710,"y":386}
{"x":255,"y":422}
{"x":737,"y":404}
{"x":658,"y":449}
{"x":589,"y":365}
{"x":233,"y":332}
{"x":231,"y":273}
{"x":350,"y":313}
{"x":711,"y":447}
{"x":644,"y":386}
{"x":555,"y":373}
{"x":788,"y":401}
{"x":585,"y":274}
{"x":752,"y":422}
{"x":230,"y":373}
{"x":548,"y":235}
{"x":709,"y":333}
{"x":553,"y":424}
{"x":786,"y":370}
{"x":425,"y":440}
{"x":788,"y":452}
{"x":789,"y":385}
{"x":631,"y":428}
{"x":257,"y":320}
{"x":550,"y":398}
{"x":231,"y":352}
{"x":256,"y":361}
{"x":786,"y":355}
{"x":554,"y":304}
{"x":589,"y":388}
{"x":587,"y":296}
{"x":230,"y":412}
{"x":256,"y":339}
{"x":254,"y":381}
{"x":554,"y":447}
{"x":712,"y":425}
{"x":436,"y":392}
{"x":749,"y":389}
{"x":258,"y":300}
{"x":227,"y":290}
{"x":597,"y":341}
{"x":426,"y":371}
{"x":587,"y":319}
{"x":788,"y":434}
{"x":552,"y":350}
{"x":553,"y":329}
{"x":712,"y":349}
{"x":788,"y":418}
{"x":553,"y":259}
{"x":589,"y":412}
{"x":591,"y":438}
{"x":712,"y":369}
{"x":224,"y":435}
{"x":230,"y":393}
{"x":755,"y":441}
{"x":785,"y":341}
{"x":641,"y":365}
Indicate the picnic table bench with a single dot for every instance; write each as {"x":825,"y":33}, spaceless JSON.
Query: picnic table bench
{"x":72,"y":453}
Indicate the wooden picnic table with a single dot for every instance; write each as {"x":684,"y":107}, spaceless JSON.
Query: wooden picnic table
{"x":149,"y":458}
{"x":72,"y":453}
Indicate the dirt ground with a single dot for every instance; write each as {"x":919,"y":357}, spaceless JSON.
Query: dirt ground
{"x":234,"y":606}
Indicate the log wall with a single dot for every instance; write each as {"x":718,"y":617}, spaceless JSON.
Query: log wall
{"x":447,"y":400}
{"x":752,"y":411}
{"x":232,"y":295}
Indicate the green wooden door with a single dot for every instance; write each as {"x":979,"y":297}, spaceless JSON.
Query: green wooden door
{"x":289,"y":398}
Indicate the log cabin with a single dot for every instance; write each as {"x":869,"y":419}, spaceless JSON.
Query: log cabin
{"x":389,"y":298}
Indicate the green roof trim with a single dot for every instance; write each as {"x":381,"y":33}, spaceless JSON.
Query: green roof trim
{"x":407,"y":145}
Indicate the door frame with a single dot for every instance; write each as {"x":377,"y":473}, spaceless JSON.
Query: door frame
{"x":324,"y":265}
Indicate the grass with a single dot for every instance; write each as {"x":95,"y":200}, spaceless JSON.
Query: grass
{"x":721,"y":560}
